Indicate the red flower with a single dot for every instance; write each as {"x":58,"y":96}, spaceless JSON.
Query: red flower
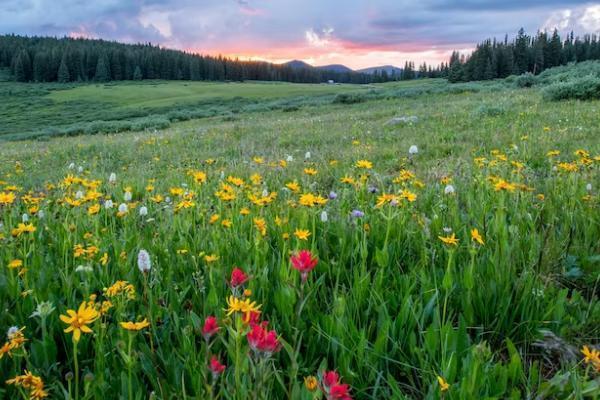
{"x":215,"y":366}
{"x":263,"y":340}
{"x":330,"y":378}
{"x":210,"y":327}
{"x":252,"y":317}
{"x":238,"y":278}
{"x":304,"y":262}
{"x":339,"y":392}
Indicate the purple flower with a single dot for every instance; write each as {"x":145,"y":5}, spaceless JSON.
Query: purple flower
{"x":357,"y":214}
{"x":332,"y":195}
{"x":372,"y":189}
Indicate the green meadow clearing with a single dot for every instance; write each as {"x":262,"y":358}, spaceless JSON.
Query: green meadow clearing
{"x":468,"y":269}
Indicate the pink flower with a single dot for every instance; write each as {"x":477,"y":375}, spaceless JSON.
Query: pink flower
{"x":216,"y":367}
{"x":238,"y":278}
{"x":263,"y":340}
{"x":210,"y":327}
{"x":339,"y":391}
{"x":330,"y":378}
{"x":304,"y":262}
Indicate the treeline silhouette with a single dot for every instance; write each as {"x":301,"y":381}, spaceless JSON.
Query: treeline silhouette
{"x":525,"y":54}
{"x":48,"y":59}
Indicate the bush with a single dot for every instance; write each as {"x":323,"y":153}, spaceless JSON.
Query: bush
{"x":525,"y":80}
{"x":349,"y":98}
{"x":586,"y":88}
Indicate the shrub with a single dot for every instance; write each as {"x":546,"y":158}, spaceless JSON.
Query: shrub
{"x":525,"y":80}
{"x":348,"y":98}
{"x":586,"y":88}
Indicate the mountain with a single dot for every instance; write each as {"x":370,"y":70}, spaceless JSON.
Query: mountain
{"x":335,"y":67}
{"x":388,"y":68}
{"x":297,"y":64}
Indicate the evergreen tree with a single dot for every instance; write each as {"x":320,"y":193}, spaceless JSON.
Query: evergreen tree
{"x":137,"y":73}
{"x":63,"y":72}
{"x":102,"y":72}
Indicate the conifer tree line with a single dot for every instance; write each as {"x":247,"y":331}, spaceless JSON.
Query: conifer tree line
{"x":47,"y":59}
{"x":498,"y":59}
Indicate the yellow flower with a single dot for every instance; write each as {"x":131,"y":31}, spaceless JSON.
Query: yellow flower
{"x":348,"y":179}
{"x":258,"y":160}
{"x":33,"y":383}
{"x":476,"y":236}
{"x":6,"y":198}
{"x":449,"y":240}
{"x":79,"y":320}
{"x":23,"y":228}
{"x":94,"y":209}
{"x":261,"y":225}
{"x":293,"y":186}
{"x":591,"y":356}
{"x":226,"y":223}
{"x":310,"y":200}
{"x":15,"y":264}
{"x":553,"y":153}
{"x":244,"y":211}
{"x":209,"y":258}
{"x":135,"y":326}
{"x":214,"y":218}
{"x":310,"y":382}
{"x":364,"y":164}
{"x":310,"y":171}
{"x":246,"y":306}
{"x":443,"y":384}
{"x":104,"y":259}
{"x":302,"y":234}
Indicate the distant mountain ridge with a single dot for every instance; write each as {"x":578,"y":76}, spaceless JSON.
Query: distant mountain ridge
{"x":340,"y":68}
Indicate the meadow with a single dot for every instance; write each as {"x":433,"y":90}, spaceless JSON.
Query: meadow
{"x":319,"y":252}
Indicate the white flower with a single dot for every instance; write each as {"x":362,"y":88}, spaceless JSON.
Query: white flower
{"x":12,"y":331}
{"x":127,"y":196}
{"x":84,"y":268}
{"x":71,"y":166}
{"x":108,"y":204}
{"x":42,"y":310}
{"x":222,"y":175}
{"x":80,"y":169}
{"x":265,"y":193}
{"x":413,"y":149}
{"x":25,"y":218}
{"x":447,"y":229}
{"x":324,"y":216}
{"x":79,"y":194}
{"x":112,"y":178}
{"x":307,"y":155}
{"x":143,"y":261}
{"x":449,"y":189}
{"x":122,"y":208}
{"x":41,"y":214}
{"x":588,"y":187}
{"x":289,"y":158}
{"x":143,"y":211}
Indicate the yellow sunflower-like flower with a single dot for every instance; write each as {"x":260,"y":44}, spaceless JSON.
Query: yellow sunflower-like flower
{"x":79,"y":320}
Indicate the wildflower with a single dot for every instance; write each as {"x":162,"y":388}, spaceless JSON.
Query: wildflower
{"x":210,"y":327}
{"x":357,"y":214}
{"x":364,"y":164}
{"x":412,"y":150}
{"x":43,"y":310}
{"x":443,"y":384}
{"x":122,"y":210}
{"x":127,"y":196}
{"x":210,"y":258}
{"x":332,"y":195}
{"x":310,"y":171}
{"x":79,"y":320}
{"x":247,"y":307}
{"x":261,"y":225}
{"x":304,"y":262}
{"x":215,"y":367}
{"x":339,"y":391}
{"x":143,"y":261}
{"x":591,"y":356}
{"x":108,"y":204}
{"x":262,"y":340}
{"x":307,"y":155}
{"x":324,"y":216}
{"x":135,"y":326}
{"x":293,"y":186}
{"x":449,"y":189}
{"x":6,"y":198}
{"x":93,"y":209}
{"x":112,"y":179}
{"x":15,"y":264}
{"x":476,"y":236}
{"x":310,"y":383}
{"x":302,"y":234}
{"x":289,"y":158}
{"x":30,"y":382}
{"x":238,"y":278}
{"x":449,"y":240}
{"x":120,"y":288}
{"x":143,"y":211}
{"x":588,"y":187}
{"x":23,"y":228}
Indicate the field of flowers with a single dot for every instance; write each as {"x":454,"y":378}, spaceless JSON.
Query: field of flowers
{"x":323,"y":255}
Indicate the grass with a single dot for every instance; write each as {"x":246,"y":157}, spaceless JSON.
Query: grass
{"x":389,"y":305}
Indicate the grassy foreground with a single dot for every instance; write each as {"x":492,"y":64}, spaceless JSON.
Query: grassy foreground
{"x":468,"y":270}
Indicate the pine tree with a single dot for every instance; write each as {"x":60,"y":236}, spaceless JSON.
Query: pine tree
{"x":63,"y":72}
{"x":137,"y":73}
{"x":102,"y":71}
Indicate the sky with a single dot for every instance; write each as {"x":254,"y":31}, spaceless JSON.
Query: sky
{"x":356,"y":33}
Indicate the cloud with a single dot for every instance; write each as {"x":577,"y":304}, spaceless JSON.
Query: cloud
{"x":355,"y":32}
